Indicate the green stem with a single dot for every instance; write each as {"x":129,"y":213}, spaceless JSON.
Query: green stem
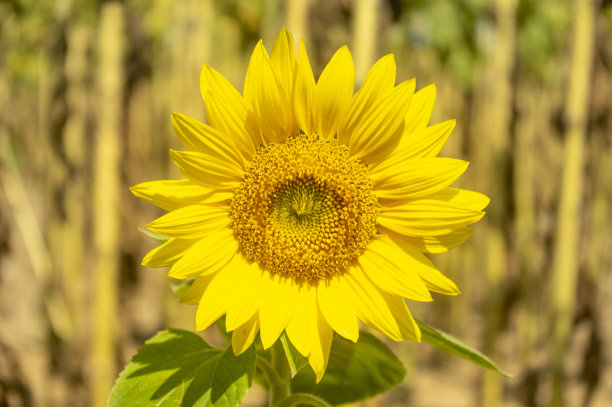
{"x":303,"y":398}
{"x":267,"y":369}
{"x":280,"y":377}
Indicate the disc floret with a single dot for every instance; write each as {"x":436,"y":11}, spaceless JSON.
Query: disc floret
{"x":305,"y":209}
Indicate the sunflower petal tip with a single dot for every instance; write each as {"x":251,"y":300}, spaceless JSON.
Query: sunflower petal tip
{"x":202,"y":325}
{"x":235,"y":349}
{"x":259,"y":47}
{"x":266,"y":343}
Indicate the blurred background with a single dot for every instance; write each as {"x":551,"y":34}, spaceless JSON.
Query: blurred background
{"x":86,"y":92}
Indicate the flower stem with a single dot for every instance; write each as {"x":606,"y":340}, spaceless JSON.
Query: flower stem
{"x":303,"y":398}
{"x":280,"y":388}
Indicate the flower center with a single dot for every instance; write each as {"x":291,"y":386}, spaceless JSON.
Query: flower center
{"x":305,"y":209}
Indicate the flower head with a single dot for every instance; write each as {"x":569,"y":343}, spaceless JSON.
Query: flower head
{"x":307,"y":207}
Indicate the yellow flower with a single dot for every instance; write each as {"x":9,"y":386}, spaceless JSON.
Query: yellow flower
{"x":306,"y":207}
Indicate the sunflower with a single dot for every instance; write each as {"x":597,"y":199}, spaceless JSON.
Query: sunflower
{"x":306,"y":207}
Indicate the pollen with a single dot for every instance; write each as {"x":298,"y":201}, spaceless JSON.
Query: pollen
{"x":304,"y":210}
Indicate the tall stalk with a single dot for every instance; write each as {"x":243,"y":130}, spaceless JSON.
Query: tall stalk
{"x":107,"y":215}
{"x":565,"y":260}
{"x":365,"y":27}
{"x":297,"y":18}
{"x":497,"y":157}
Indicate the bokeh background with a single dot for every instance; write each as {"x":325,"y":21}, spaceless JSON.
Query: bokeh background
{"x":86,"y":92}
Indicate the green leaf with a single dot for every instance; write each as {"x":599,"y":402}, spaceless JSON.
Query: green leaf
{"x":263,"y":357}
{"x":227,"y":336}
{"x":180,"y":287}
{"x":153,"y":235}
{"x":450,"y":344}
{"x":178,"y":368}
{"x":355,"y":371}
{"x":295,"y":358}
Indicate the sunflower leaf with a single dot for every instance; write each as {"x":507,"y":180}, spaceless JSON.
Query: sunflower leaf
{"x":181,"y":286}
{"x":452,"y":345}
{"x":153,"y":235}
{"x":227,"y":336}
{"x":295,"y":358}
{"x":178,"y":367}
{"x":356,"y":371}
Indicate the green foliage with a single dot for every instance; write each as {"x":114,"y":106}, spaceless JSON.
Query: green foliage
{"x":295,"y":358}
{"x":448,"y":30}
{"x":181,"y":286}
{"x":227,"y":336}
{"x":178,"y":367}
{"x":355,"y":372}
{"x":452,"y":345}
{"x":539,"y":24}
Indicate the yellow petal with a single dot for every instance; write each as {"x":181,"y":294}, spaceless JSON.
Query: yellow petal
{"x":173,"y":194}
{"x":299,"y":328}
{"x":304,"y":93}
{"x":309,"y":332}
{"x":244,"y":294}
{"x":233,"y":124}
{"x":370,"y":305}
{"x":283,"y":61}
{"x":253,"y":75}
{"x":168,"y":253}
{"x":243,"y":337}
{"x":275,"y":308}
{"x":214,"y":301}
{"x":435,"y":215}
{"x":333,"y":92}
{"x":422,"y":143}
{"x":207,"y":170}
{"x":417,"y":178}
{"x":337,"y":310}
{"x":420,"y":109}
{"x":408,"y":328}
{"x":226,"y":110}
{"x":433,"y":278}
{"x":197,"y":136}
{"x":411,"y":259}
{"x":434,"y":244}
{"x":378,"y":132}
{"x":321,"y":345}
{"x":194,"y":293}
{"x":212,"y":252}
{"x":386,"y":265}
{"x":266,"y":99}
{"x":212,"y":81}
{"x":379,"y":81}
{"x":191,"y":221}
